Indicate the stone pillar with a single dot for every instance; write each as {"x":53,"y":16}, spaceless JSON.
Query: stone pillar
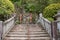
{"x":30,"y":17}
{"x":54,"y":30}
{"x":40,"y":15}
{"x":21,"y":17}
{"x":57,"y":17}
{"x":1,"y":30}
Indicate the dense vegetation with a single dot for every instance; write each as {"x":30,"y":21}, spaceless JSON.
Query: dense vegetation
{"x":51,"y":10}
{"x":31,"y":5}
{"x":6,"y":8}
{"x":48,"y":7}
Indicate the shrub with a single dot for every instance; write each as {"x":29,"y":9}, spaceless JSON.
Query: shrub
{"x":51,"y":10}
{"x":6,"y":8}
{"x":14,"y":0}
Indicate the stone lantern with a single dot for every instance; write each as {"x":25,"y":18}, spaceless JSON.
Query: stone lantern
{"x":56,"y":26}
{"x":57,"y":16}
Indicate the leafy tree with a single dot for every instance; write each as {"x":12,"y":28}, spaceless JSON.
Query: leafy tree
{"x":51,"y":10}
{"x":6,"y":8}
{"x":53,"y":1}
{"x":41,"y":5}
{"x":14,"y":1}
{"x":31,"y":5}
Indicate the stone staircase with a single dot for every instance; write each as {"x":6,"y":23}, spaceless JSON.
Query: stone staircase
{"x":27,"y":32}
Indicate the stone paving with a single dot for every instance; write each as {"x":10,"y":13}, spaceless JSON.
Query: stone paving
{"x":27,"y":32}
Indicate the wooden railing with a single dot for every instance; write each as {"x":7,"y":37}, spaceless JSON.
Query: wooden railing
{"x":6,"y":26}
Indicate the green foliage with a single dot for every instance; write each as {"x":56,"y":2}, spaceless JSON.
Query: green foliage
{"x":30,"y":8}
{"x":31,"y":5}
{"x":33,"y":18}
{"x":41,"y":5}
{"x":17,"y":22}
{"x":19,"y":3}
{"x":53,"y":1}
{"x":51,"y":10}
{"x":6,"y":7}
{"x":50,"y":19}
{"x":35,"y":5}
{"x":14,"y":1}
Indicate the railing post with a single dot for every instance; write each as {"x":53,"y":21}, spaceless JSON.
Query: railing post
{"x":54,"y":30}
{"x":1,"y":30}
{"x":51,"y":31}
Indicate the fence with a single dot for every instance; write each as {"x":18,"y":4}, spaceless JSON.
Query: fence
{"x":1,"y":30}
{"x":6,"y":26}
{"x":46,"y":24}
{"x":53,"y":28}
{"x":58,"y":30}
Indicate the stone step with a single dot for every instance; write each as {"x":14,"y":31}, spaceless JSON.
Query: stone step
{"x":27,"y":29}
{"x":25,"y":38}
{"x":27,"y":32}
{"x":28,"y":39}
{"x":41,"y":35}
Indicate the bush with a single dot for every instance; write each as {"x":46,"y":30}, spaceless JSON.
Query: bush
{"x":6,"y":8}
{"x":14,"y":0}
{"x":51,"y":10}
